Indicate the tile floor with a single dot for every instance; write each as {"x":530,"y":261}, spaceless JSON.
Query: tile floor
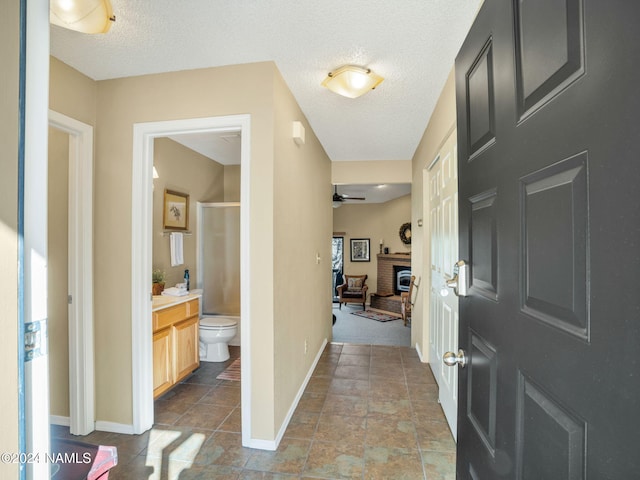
{"x":368,"y":412}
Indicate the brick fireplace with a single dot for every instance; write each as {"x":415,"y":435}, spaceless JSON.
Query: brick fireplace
{"x":385,"y":298}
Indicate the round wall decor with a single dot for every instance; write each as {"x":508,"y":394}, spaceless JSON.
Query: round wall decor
{"x":405,"y":233}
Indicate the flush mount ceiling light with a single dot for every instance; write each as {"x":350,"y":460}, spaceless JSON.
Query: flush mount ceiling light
{"x":85,"y":16}
{"x":352,"y":81}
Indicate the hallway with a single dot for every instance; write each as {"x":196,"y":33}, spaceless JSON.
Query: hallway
{"x":368,"y":412}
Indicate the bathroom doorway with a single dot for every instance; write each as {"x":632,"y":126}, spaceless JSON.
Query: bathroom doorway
{"x":144,"y":135}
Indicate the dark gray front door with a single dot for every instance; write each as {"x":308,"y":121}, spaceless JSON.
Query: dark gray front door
{"x":548,"y":99}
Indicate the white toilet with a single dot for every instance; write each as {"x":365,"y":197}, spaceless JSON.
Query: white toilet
{"x":215,"y":334}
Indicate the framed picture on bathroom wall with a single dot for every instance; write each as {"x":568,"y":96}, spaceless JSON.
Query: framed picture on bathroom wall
{"x":360,"y":250}
{"x":175,"y":214}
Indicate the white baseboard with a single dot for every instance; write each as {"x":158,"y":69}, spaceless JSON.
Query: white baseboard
{"x":419,"y":352}
{"x":59,"y":420}
{"x":262,"y":444}
{"x":115,"y":427}
{"x":294,"y":404}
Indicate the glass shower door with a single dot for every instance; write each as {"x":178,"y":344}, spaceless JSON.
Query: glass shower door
{"x":220,"y":259}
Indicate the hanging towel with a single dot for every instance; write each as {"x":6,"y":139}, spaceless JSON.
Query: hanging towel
{"x":177,"y":257}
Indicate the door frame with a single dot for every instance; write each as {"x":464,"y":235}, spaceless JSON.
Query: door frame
{"x":144,"y":135}
{"x":33,"y":373}
{"x":80,"y":267}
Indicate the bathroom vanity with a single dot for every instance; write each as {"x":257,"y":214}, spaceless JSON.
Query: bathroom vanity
{"x":175,"y":340}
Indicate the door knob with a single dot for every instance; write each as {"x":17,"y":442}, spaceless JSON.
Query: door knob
{"x":451,"y":359}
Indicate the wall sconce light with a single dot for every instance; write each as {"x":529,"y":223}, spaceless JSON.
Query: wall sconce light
{"x":352,"y":81}
{"x":298,"y":133}
{"x":84,"y":16}
{"x":155,"y":173}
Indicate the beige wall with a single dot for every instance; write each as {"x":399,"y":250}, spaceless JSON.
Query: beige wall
{"x":182,"y":170}
{"x":376,"y":221}
{"x":302,"y":230}
{"x":371,"y":171}
{"x":74,"y":95}
{"x":57,"y":272}
{"x":232,"y":183}
{"x":9,"y":123}
{"x":441,"y":124}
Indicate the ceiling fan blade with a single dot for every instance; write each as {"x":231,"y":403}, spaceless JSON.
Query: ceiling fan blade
{"x":341,"y":198}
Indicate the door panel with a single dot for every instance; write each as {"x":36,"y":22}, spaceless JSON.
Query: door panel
{"x":480,"y":102}
{"x":484,"y":244}
{"x":481,"y":391}
{"x":554,"y":287}
{"x":549,"y":221}
{"x":550,"y":439}
{"x":547,"y":64}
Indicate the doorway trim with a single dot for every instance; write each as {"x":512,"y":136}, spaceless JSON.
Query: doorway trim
{"x":144,"y":135}
{"x":80,"y":268}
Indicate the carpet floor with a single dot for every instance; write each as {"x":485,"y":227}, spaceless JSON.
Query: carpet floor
{"x":355,"y":329}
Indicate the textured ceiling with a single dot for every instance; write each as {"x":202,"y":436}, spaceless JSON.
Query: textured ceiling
{"x":223,"y":147}
{"x":411,"y":43}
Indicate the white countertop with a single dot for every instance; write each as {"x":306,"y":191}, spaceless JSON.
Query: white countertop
{"x":165,"y":301}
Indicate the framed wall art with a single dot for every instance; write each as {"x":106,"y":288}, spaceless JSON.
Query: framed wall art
{"x":175,"y":214}
{"x":360,"y":251}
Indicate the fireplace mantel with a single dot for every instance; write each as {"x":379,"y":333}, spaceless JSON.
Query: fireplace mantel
{"x":401,"y":256}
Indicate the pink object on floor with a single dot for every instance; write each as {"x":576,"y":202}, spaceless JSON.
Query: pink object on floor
{"x":82,"y":461}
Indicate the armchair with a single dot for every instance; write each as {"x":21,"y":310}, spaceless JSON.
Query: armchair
{"x":353,"y":290}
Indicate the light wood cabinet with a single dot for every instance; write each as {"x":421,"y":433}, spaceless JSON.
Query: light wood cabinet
{"x":162,"y":355}
{"x":187,"y":355}
{"x":175,"y":344}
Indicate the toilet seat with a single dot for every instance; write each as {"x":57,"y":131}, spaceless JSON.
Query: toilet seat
{"x":209,"y":323}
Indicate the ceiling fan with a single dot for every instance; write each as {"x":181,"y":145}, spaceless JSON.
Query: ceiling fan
{"x":338,"y":199}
